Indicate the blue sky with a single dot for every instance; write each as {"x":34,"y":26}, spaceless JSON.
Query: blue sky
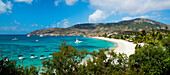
{"x":24,"y":16}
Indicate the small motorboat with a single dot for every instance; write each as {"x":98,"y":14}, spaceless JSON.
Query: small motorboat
{"x":28,"y":35}
{"x":77,"y":41}
{"x":21,"y":57}
{"x":14,"y":39}
{"x":50,"y":55}
{"x":36,"y":40}
{"x":7,"y":60}
{"x":42,"y":57}
{"x":33,"y":56}
{"x":41,"y":35}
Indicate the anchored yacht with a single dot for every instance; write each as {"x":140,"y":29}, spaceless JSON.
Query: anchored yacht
{"x":77,"y":41}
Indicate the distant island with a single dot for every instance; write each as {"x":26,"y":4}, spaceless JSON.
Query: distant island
{"x":97,"y":29}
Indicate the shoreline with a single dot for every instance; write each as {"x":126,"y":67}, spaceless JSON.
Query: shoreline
{"x":121,"y":46}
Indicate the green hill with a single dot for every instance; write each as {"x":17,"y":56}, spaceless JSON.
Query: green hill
{"x":93,"y":29}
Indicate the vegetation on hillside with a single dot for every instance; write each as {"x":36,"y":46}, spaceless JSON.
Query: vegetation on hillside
{"x":96,"y":29}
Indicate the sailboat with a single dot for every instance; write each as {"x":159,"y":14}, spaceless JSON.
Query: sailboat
{"x":77,"y":41}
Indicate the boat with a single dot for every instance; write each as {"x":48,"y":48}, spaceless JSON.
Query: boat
{"x":50,"y":55}
{"x":42,"y":57}
{"x":28,"y":35}
{"x":41,"y":35}
{"x":36,"y":40}
{"x":14,"y":39}
{"x":33,"y":56}
{"x":20,"y":57}
{"x":7,"y":60}
{"x":77,"y":41}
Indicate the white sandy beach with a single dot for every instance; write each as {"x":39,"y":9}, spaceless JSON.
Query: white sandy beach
{"x":122,"y":46}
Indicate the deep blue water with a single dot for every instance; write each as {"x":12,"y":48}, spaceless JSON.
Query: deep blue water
{"x":44,"y":46}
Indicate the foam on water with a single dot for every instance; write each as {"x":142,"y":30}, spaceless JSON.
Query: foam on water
{"x":44,"y":46}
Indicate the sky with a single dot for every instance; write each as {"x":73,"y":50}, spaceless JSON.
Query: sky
{"x":24,"y":16}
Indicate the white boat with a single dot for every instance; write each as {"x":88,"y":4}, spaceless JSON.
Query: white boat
{"x":36,"y":40}
{"x":77,"y":41}
{"x":20,"y":57}
{"x":28,"y":35}
{"x":14,"y":39}
{"x":50,"y":55}
{"x":41,"y":35}
{"x":33,"y":56}
{"x":7,"y":60}
{"x":42,"y":57}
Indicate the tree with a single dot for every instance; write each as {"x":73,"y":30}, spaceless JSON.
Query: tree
{"x":105,"y":35}
{"x":166,"y":28}
{"x":143,"y":33}
{"x":151,"y":59}
{"x":65,"y":61}
{"x":8,"y":67}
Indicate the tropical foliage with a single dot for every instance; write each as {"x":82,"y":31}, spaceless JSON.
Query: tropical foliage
{"x":8,"y":67}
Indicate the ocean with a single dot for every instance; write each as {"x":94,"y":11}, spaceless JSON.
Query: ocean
{"x":14,"y":45}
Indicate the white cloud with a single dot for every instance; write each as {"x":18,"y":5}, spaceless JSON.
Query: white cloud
{"x":5,"y":7}
{"x":131,"y":7}
{"x":143,"y":16}
{"x":127,"y":18}
{"x":12,"y":30}
{"x":42,"y":25}
{"x":53,"y":25}
{"x":100,"y":15}
{"x":26,"y":1}
{"x":57,"y":2}
{"x":7,"y":28}
{"x":164,"y":18}
{"x":84,"y":0}
{"x":34,"y":25}
{"x":71,"y":2}
{"x":63,"y":24}
{"x":68,"y":2}
{"x":16,"y":22}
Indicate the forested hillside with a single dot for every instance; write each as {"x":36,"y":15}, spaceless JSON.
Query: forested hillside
{"x":96,"y":29}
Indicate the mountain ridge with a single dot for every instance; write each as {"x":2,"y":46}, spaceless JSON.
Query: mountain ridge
{"x":94,"y":29}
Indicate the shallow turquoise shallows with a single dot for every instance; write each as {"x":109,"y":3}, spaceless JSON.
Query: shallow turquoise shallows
{"x":14,"y":45}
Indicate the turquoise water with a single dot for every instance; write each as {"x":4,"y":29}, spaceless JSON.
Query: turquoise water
{"x":44,"y":46}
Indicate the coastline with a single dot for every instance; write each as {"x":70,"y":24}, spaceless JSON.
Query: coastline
{"x":122,"y":46}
